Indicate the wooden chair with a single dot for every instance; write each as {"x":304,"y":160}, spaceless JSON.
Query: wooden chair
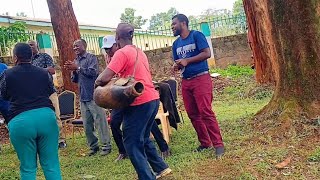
{"x":163,"y":117}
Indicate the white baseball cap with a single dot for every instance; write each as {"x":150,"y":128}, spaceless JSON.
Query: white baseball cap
{"x":108,"y":41}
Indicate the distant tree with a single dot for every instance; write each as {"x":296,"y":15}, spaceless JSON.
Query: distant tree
{"x":5,"y":14}
{"x":214,"y":13}
{"x":129,"y":17}
{"x":193,"y":19}
{"x":21,"y":14}
{"x":238,"y":7}
{"x":162,"y":19}
{"x":11,"y":35}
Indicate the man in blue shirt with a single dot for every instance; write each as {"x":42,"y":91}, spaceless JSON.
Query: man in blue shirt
{"x":190,"y":53}
{"x":85,"y":71}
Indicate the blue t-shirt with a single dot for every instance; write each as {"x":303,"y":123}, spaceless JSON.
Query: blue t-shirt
{"x":189,"y":47}
{"x":4,"y":105}
{"x":3,"y":67}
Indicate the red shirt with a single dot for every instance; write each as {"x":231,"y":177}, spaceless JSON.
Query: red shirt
{"x":123,"y":64}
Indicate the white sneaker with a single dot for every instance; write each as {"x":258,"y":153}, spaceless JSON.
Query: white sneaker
{"x":163,"y":173}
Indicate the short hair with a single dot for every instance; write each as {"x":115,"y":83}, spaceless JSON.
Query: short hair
{"x":125,"y":31}
{"x":182,"y":18}
{"x":84,"y":42}
{"x":23,"y":52}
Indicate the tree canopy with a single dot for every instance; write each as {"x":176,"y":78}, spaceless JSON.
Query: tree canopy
{"x":129,"y":17}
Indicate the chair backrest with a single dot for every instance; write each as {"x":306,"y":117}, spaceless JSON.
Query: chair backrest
{"x":160,"y":110}
{"x":67,"y":102}
{"x":174,"y":87}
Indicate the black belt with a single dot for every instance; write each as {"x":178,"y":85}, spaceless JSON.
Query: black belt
{"x":200,"y":74}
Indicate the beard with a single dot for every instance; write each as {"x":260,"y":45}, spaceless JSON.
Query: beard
{"x":177,"y":33}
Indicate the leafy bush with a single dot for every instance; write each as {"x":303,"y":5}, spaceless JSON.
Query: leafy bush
{"x":12,"y":34}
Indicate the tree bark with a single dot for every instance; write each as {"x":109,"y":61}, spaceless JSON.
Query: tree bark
{"x":262,"y":63}
{"x":288,"y":33}
{"x":66,"y":30}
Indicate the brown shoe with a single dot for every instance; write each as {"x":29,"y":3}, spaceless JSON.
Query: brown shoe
{"x":121,"y":157}
{"x":164,"y":173}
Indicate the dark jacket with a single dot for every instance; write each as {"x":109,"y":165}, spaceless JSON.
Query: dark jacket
{"x":26,"y":87}
{"x":168,"y":101}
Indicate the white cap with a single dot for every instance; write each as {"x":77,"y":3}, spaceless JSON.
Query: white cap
{"x":108,"y":41}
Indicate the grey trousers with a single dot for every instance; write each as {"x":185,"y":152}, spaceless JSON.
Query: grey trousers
{"x":94,"y":119}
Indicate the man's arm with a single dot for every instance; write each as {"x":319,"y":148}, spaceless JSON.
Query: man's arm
{"x":92,"y":69}
{"x":51,"y":89}
{"x":104,"y":77}
{"x":50,"y":65}
{"x":175,"y":66}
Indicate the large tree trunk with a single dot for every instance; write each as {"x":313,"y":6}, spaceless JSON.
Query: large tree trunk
{"x":262,"y":64}
{"x":66,"y":30}
{"x":289,"y":35}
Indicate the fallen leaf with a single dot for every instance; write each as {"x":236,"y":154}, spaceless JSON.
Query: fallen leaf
{"x":283,"y":164}
{"x":286,"y":173}
{"x":88,"y":177}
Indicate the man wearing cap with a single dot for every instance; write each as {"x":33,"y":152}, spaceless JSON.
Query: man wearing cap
{"x":110,"y":47}
{"x":139,"y":117}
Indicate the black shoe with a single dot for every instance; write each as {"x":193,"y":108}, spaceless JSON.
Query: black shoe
{"x":105,"y":152}
{"x":121,"y":157}
{"x":93,"y":151}
{"x":202,"y":148}
{"x":165,"y":154}
{"x":62,"y":145}
{"x":219,"y":152}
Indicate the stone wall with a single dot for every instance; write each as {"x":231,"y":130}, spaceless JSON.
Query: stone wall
{"x":232,"y":50}
{"x":227,"y":50}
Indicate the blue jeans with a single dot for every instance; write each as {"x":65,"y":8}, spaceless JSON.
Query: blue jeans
{"x":116,"y":121}
{"x":137,"y":124}
{"x":35,"y":133}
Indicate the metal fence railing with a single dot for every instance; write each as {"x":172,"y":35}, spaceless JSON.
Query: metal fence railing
{"x":228,"y":25}
{"x":146,"y":40}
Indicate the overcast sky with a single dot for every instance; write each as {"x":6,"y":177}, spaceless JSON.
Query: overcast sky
{"x":105,"y":13}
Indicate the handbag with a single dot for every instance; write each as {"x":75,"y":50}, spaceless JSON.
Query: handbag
{"x":119,"y":92}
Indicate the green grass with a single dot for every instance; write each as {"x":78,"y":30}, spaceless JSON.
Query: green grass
{"x":315,"y":156}
{"x":247,"y":157}
{"x":233,"y":71}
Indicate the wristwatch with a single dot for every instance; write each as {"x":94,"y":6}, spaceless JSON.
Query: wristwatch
{"x":78,"y":69}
